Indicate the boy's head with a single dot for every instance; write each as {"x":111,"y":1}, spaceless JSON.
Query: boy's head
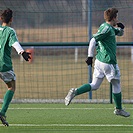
{"x":110,"y":14}
{"x":6,"y":15}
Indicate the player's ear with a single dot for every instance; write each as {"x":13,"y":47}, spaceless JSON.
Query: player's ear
{"x":11,"y":20}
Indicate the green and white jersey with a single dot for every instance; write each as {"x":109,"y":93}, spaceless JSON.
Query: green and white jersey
{"x":7,"y":39}
{"x":106,"y":49}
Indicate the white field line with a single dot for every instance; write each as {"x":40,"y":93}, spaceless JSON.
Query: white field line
{"x":62,"y":108}
{"x":66,"y":125}
{"x":69,"y":125}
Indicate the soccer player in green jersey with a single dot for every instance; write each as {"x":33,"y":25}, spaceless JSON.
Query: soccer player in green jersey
{"x":106,"y":62}
{"x":8,"y":39}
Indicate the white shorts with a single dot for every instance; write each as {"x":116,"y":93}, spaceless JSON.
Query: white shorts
{"x":109,"y":71}
{"x":8,"y":76}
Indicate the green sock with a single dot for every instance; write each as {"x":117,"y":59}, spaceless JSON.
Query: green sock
{"x":82,"y":89}
{"x":6,"y":101}
{"x":117,"y":100}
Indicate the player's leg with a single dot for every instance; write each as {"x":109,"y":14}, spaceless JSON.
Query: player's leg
{"x":116,"y":90}
{"x":117,"y":95}
{"x":9,"y":78}
{"x":96,"y":82}
{"x":6,"y":101}
{"x":112,"y":74}
{"x":8,"y":97}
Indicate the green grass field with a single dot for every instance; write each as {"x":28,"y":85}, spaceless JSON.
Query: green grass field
{"x":58,"y":118}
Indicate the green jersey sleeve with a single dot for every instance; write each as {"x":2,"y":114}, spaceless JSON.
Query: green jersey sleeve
{"x":116,"y":31}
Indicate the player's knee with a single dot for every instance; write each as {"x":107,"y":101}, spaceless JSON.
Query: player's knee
{"x":11,"y":85}
{"x":116,"y":88}
{"x":94,"y":87}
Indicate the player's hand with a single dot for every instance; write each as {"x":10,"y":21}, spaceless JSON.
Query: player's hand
{"x":26,"y":55}
{"x":121,"y":25}
{"x":89,"y":61}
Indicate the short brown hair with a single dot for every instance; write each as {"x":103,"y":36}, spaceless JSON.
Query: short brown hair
{"x":6,"y":15}
{"x":110,"y":13}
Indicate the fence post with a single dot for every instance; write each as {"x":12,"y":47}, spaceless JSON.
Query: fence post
{"x":111,"y":101}
{"x":89,"y":37}
{"x":90,"y":79}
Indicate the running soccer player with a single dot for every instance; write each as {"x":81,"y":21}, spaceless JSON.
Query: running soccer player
{"x":8,"y":39}
{"x":106,"y":62}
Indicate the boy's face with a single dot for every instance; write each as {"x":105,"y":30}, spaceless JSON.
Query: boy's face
{"x":115,"y":20}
